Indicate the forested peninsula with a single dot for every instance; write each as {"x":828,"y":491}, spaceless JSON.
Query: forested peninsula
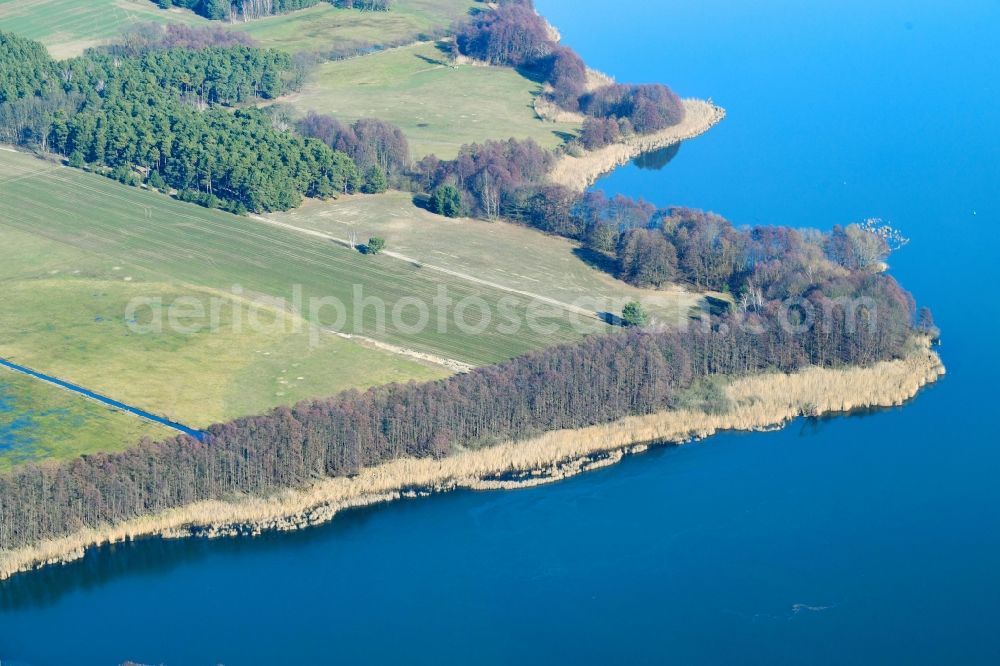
{"x":798,"y":322}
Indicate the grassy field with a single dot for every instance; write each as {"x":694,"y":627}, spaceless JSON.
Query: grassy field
{"x":64,"y":312}
{"x":63,"y":226}
{"x":439,"y":106}
{"x":75,"y":325}
{"x":324,"y":27}
{"x":67,"y":27}
{"x":39,"y":421}
{"x":503,"y":253}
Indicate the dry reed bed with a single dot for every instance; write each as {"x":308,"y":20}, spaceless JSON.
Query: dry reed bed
{"x":579,"y":173}
{"x":757,"y":403}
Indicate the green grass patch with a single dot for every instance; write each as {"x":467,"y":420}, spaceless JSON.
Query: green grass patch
{"x":77,"y":327}
{"x":40,"y":421}
{"x":438,"y":105}
{"x":67,"y":27}
{"x":515,"y":256}
{"x":64,"y":312}
{"x":324,"y":27}
{"x":154,"y":239}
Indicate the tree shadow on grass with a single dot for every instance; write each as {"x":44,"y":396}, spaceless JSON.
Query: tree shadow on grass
{"x":598,"y":260}
{"x":444,"y":48}
{"x":423,"y":202}
{"x":717,"y":306}
{"x":432,"y":61}
{"x":611,"y":318}
{"x":534,"y":74}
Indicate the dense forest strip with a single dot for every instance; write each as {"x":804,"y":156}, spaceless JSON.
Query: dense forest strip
{"x":110,"y":402}
{"x":599,"y":380}
{"x":580,"y":171}
{"x":756,"y":403}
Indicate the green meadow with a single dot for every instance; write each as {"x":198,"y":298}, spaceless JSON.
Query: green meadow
{"x":324,"y":27}
{"x":40,"y":421}
{"x":439,"y":105}
{"x":77,"y":248}
{"x":67,"y":27}
{"x":64,"y":311}
{"x":511,"y":255}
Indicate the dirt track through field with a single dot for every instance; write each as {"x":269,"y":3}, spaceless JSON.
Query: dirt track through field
{"x":182,"y":243}
{"x":440,"y":269}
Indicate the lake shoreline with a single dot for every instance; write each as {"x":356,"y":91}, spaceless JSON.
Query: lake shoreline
{"x":758,"y":402}
{"x":580,"y":172}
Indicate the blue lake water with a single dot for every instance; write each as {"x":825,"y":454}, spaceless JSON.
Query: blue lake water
{"x":863,"y":539}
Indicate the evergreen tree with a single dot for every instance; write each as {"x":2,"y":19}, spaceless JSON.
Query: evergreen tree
{"x":634,"y":315}
{"x":375,"y":181}
{"x":447,"y":201}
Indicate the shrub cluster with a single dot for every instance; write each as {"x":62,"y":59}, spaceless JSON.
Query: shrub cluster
{"x":151,"y":36}
{"x":486,"y":175}
{"x":370,"y":142}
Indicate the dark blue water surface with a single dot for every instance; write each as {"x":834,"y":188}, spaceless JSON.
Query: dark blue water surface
{"x":863,"y":539}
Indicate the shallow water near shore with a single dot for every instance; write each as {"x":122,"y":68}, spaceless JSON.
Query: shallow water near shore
{"x":872,"y":538}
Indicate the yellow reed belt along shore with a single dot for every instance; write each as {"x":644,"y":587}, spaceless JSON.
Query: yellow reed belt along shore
{"x":757,"y":402}
{"x":580,"y":172}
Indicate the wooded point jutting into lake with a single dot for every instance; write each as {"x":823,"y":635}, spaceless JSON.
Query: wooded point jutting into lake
{"x":647,"y":322}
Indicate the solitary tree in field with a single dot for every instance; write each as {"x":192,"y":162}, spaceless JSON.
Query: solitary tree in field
{"x":375,"y":245}
{"x":634,"y":315}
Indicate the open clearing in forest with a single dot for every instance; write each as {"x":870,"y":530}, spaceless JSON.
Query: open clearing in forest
{"x":439,"y":106}
{"x":75,"y":248}
{"x":39,"y":421}
{"x":502,"y":253}
{"x":67,"y":27}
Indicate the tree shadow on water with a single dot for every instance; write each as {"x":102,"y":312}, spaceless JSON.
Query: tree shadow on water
{"x":159,"y":556}
{"x":657,"y":159}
